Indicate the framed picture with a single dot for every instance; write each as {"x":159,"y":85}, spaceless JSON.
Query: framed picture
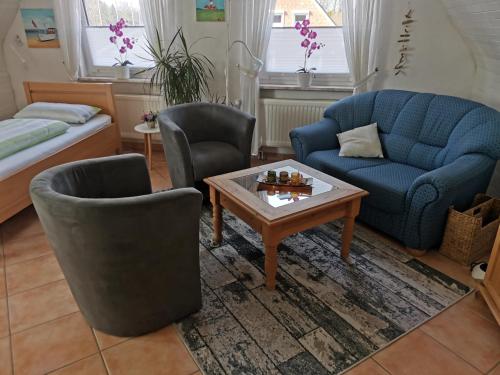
{"x":40,"y":28}
{"x":210,"y":11}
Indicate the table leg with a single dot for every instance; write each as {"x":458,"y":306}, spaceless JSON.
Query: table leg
{"x":216,"y":216}
{"x":150,"y":152}
{"x":271,"y":257}
{"x":347,"y":233}
{"x":271,"y":265}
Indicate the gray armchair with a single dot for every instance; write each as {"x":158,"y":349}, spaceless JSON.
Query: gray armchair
{"x":130,"y":257}
{"x":203,"y":140}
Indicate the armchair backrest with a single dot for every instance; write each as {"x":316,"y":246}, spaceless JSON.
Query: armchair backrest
{"x":423,"y":130}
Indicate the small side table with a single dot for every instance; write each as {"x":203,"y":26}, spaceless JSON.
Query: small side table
{"x":148,"y":133}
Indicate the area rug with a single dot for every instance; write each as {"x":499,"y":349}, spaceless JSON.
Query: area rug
{"x":323,"y":317}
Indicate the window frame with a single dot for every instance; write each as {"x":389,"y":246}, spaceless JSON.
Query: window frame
{"x":91,"y":70}
{"x":319,"y":79}
{"x":305,"y":13}
{"x":282,"y":14}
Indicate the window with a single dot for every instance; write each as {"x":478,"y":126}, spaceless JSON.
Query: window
{"x":278,"y":19}
{"x":285,"y":54}
{"x":300,"y":16}
{"x":100,"y":54}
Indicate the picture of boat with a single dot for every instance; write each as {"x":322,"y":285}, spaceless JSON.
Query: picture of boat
{"x":40,"y":28}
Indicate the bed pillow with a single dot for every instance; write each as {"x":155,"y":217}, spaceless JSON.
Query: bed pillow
{"x":362,"y":142}
{"x":72,"y":113}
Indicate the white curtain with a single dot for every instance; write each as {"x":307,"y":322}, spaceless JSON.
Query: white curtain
{"x":160,"y":15}
{"x":257,"y":22}
{"x":361,"y":19}
{"x":69,"y":18}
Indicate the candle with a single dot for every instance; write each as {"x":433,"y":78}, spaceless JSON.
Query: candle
{"x":283,"y":177}
{"x":271,"y":177}
{"x":295,"y":178}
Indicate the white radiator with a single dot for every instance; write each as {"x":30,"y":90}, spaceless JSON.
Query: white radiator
{"x":280,"y":116}
{"x":130,"y":109}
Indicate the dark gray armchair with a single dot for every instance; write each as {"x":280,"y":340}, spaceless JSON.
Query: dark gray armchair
{"x":131,"y":258}
{"x":203,"y":140}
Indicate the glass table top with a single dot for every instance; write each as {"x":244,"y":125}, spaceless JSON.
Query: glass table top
{"x":276,"y":198}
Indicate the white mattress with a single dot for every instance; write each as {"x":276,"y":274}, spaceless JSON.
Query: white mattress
{"x":22,"y":159}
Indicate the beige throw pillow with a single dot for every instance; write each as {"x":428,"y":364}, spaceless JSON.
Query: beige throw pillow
{"x":361,"y":143}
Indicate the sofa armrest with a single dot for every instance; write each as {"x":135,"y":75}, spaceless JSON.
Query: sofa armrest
{"x":431,"y":195}
{"x":321,"y":135}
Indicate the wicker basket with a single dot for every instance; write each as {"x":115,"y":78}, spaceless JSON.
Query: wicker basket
{"x":469,"y":235}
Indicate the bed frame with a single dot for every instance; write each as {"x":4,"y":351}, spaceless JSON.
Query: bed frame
{"x":14,"y":190}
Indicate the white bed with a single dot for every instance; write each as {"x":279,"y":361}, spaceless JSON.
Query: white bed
{"x":23,"y":159}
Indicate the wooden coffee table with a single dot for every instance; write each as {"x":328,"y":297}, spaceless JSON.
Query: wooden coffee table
{"x":276,"y":215}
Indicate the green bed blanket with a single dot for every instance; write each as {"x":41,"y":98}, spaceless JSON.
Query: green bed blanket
{"x":19,"y":134}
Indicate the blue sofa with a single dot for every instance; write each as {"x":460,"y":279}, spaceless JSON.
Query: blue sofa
{"x":439,"y":152}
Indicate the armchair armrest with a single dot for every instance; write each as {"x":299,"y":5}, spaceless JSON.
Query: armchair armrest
{"x":321,"y":135}
{"x":431,"y":195}
{"x":177,"y":152}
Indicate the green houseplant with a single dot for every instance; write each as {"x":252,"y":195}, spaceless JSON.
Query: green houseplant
{"x":182,"y":76}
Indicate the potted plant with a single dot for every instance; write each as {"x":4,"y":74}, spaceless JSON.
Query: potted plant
{"x":311,"y":45}
{"x":123,"y":45}
{"x":150,"y":119}
{"x":181,"y":75}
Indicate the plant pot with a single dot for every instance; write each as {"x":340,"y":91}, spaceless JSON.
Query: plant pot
{"x":151,"y":124}
{"x":304,"y":80}
{"x":122,"y":72}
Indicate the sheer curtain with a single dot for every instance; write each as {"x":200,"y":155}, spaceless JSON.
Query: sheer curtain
{"x":361,"y":18}
{"x":160,"y":15}
{"x":257,"y":22}
{"x":69,"y":16}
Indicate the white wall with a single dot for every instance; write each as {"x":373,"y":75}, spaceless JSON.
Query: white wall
{"x":41,"y":64}
{"x":8,"y":9}
{"x":441,"y":61}
{"x":479,"y":23}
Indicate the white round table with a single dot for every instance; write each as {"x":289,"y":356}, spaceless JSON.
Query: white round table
{"x":148,"y":133}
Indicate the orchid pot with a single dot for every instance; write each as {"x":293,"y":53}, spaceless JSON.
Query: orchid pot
{"x":151,"y":124}
{"x":122,"y":72}
{"x":304,"y":79}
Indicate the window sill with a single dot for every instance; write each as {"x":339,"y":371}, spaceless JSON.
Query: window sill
{"x":113,"y":80}
{"x":311,"y":88}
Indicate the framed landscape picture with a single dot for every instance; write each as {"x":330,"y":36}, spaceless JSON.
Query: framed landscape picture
{"x":210,"y":11}
{"x":40,"y":28}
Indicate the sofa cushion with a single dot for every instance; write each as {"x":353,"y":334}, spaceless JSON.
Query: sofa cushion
{"x":361,"y":142}
{"x":386,"y":183}
{"x":214,"y":158}
{"x":330,"y":162}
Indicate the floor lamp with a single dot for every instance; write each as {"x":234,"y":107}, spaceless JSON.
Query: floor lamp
{"x":256,"y":64}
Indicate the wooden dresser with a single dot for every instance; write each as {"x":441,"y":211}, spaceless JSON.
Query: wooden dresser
{"x":490,"y":289}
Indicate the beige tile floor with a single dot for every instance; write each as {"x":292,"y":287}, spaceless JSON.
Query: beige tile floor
{"x":42,"y":331}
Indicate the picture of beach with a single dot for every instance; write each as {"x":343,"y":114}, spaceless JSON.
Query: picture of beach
{"x":210,"y":11}
{"x":40,"y":27}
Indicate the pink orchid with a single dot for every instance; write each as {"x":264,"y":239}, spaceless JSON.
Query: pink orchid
{"x":123,"y":50}
{"x":112,"y":39}
{"x":119,"y":33}
{"x":308,"y":43}
{"x":112,"y":28}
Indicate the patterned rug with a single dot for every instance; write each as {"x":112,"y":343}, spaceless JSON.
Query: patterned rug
{"x":324,"y":316}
